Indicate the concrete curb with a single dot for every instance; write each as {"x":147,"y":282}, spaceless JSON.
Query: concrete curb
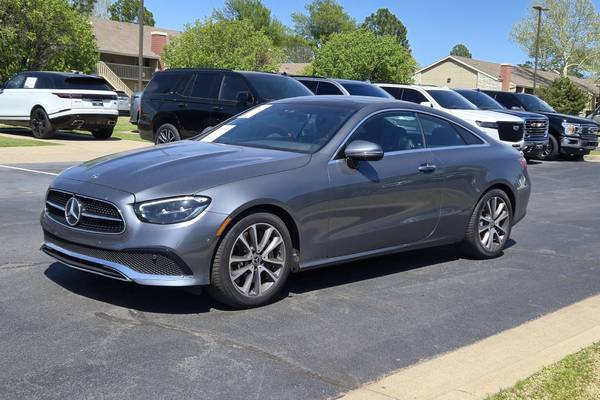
{"x":487,"y":366}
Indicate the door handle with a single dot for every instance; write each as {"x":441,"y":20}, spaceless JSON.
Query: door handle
{"x":182,"y":105}
{"x":217,"y":108}
{"x":427,"y":167}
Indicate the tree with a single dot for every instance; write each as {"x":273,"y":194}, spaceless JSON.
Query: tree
{"x":49,"y":35}
{"x":324,"y":18}
{"x":461,"y":50}
{"x":384,"y":22}
{"x":128,"y":10}
{"x":362,"y":55}
{"x":255,"y":12}
{"x":83,"y":6}
{"x":564,"y":96}
{"x":569,"y":38}
{"x":101,"y":9}
{"x":223,"y":44}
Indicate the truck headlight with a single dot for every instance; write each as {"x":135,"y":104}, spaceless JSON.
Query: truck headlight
{"x":571,"y":129}
{"x":172,"y":210}
{"x":485,"y":124}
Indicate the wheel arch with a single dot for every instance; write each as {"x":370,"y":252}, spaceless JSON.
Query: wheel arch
{"x":165,"y":118}
{"x":506,"y":188}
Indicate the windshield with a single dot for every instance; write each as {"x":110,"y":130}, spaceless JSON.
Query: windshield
{"x":481,"y":100}
{"x":451,"y":100}
{"x":303,"y":128}
{"x":534,"y":103}
{"x":274,"y":87}
{"x":365,"y":89}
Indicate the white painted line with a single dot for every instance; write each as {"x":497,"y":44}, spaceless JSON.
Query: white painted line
{"x":28,"y":170}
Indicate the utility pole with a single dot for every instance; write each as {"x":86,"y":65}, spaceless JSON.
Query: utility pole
{"x":141,"y":45}
{"x":539,"y":9}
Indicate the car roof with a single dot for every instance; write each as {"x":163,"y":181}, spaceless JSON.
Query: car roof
{"x":246,"y":73}
{"x":351,"y":81}
{"x":64,"y":74}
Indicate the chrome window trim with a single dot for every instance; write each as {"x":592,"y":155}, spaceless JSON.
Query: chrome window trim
{"x":349,"y":135}
{"x":85,"y":214}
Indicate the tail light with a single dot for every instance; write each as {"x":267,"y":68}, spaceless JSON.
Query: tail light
{"x":69,"y":95}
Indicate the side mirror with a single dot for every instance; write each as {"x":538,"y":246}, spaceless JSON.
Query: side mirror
{"x":361,"y":150}
{"x":244,"y":98}
{"x":426,"y":104}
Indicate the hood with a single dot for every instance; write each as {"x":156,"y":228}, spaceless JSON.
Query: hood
{"x":523,"y":114}
{"x":484,"y":115}
{"x":181,"y":168}
{"x":570,"y":118}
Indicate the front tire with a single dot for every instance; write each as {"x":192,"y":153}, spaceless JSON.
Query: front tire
{"x":489,"y":227}
{"x":103,"y":134}
{"x":550,"y":153}
{"x":166,"y":133}
{"x":40,"y":124}
{"x":252,"y":262}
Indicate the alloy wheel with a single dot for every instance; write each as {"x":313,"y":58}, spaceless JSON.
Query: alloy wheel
{"x":166,"y":135}
{"x":38,"y":122}
{"x":547,"y":150}
{"x":257,"y":259}
{"x":494,"y":223}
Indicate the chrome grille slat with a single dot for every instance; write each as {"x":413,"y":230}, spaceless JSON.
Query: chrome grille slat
{"x":534,"y":129}
{"x":89,"y":215}
{"x":52,"y":204}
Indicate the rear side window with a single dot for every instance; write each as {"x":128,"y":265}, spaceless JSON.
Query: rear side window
{"x":394,"y":91}
{"x":206,"y":85}
{"x":467,"y":136}
{"x":326,"y":88}
{"x":163,"y":83}
{"x":311,"y":85}
{"x":507,"y":100}
{"x":274,"y":87}
{"x":413,"y":96}
{"x":231,"y":87}
{"x":439,"y":132}
{"x":365,"y":89}
{"x":85,"y":83}
{"x":44,"y":82}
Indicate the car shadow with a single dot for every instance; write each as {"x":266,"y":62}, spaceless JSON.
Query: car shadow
{"x":169,"y":300}
{"x":58,"y":135}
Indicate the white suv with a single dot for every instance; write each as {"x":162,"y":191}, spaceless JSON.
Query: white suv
{"x":47,"y":101}
{"x":506,"y":128}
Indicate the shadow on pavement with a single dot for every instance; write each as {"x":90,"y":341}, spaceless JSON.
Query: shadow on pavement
{"x":58,"y":135}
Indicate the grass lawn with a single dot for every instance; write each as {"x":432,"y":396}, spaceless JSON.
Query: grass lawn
{"x":576,"y":377}
{"x":12,"y":142}
{"x":595,"y":153}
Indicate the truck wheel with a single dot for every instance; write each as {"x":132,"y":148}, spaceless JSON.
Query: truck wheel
{"x":550,"y":153}
{"x":102,"y":134}
{"x":40,"y":124}
{"x":166,"y":133}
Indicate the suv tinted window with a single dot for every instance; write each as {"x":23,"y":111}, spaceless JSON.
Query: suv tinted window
{"x":393,"y":131}
{"x":206,"y":85}
{"x":230,"y":88}
{"x":414,"y":96}
{"x":394,"y":91}
{"x":16,"y":82}
{"x":364,"y":89}
{"x":506,"y":99}
{"x":86,"y":83}
{"x":311,"y":85}
{"x":439,"y":133}
{"x":273,"y":87}
{"x":168,"y":82}
{"x":44,"y":82}
{"x":328,"y":88}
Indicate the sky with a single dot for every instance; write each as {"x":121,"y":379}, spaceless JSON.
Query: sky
{"x":434,"y":26}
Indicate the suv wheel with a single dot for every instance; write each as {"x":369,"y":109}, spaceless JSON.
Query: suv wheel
{"x":40,"y":124}
{"x":550,"y":152}
{"x":103,"y":134}
{"x":252,"y":262}
{"x":166,"y":133}
{"x":489,"y":227}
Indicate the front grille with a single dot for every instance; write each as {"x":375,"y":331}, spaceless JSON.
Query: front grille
{"x":145,"y":261}
{"x":96,"y":215}
{"x":589,"y":131}
{"x":535,"y":128}
{"x":507,"y":133}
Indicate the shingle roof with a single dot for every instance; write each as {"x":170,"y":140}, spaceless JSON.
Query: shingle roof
{"x":122,"y":37}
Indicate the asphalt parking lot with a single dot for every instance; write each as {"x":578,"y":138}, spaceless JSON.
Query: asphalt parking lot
{"x":69,"y":334}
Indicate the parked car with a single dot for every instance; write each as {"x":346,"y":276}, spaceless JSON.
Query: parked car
{"x":124,"y":103}
{"x":506,"y":128}
{"x":536,"y":125}
{"x":595,"y":115}
{"x":284,"y":187}
{"x":134,"y":111}
{"x":47,"y":101}
{"x":570,"y":136}
{"x":342,"y":87}
{"x":181,"y":103}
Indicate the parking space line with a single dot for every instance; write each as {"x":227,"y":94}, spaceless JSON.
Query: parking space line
{"x":28,"y":170}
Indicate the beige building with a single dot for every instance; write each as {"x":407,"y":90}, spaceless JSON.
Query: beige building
{"x":463,"y":72}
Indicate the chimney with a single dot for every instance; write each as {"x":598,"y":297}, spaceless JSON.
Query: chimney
{"x":505,"y":76}
{"x":157,"y":44}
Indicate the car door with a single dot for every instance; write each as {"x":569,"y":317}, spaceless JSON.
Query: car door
{"x":228,"y":103}
{"x":10,"y":99}
{"x":385,"y":203}
{"x":196,"y":110}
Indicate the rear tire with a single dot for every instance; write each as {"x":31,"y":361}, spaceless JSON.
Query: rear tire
{"x":40,"y":124}
{"x":103,"y":134}
{"x":262,"y":266}
{"x":166,"y":133}
{"x":489,"y":227}
{"x":550,"y":153}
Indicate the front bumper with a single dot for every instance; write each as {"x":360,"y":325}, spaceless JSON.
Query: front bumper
{"x":577,"y":145}
{"x":535,"y":146}
{"x":147,"y":254}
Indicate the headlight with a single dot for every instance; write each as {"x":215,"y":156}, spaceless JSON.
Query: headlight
{"x":571,"y":129}
{"x":171,"y":211}
{"x":484,"y":124}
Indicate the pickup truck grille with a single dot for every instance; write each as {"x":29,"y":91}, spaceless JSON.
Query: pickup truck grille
{"x":508,"y":133}
{"x":535,"y":128}
{"x":96,"y":215}
{"x":589,"y":131}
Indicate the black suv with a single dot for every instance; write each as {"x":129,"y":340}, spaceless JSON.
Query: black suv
{"x":570,"y":136}
{"x":181,"y":103}
{"x":536,"y":125}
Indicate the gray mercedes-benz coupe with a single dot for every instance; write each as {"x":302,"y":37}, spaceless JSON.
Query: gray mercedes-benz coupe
{"x":284,"y":187}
